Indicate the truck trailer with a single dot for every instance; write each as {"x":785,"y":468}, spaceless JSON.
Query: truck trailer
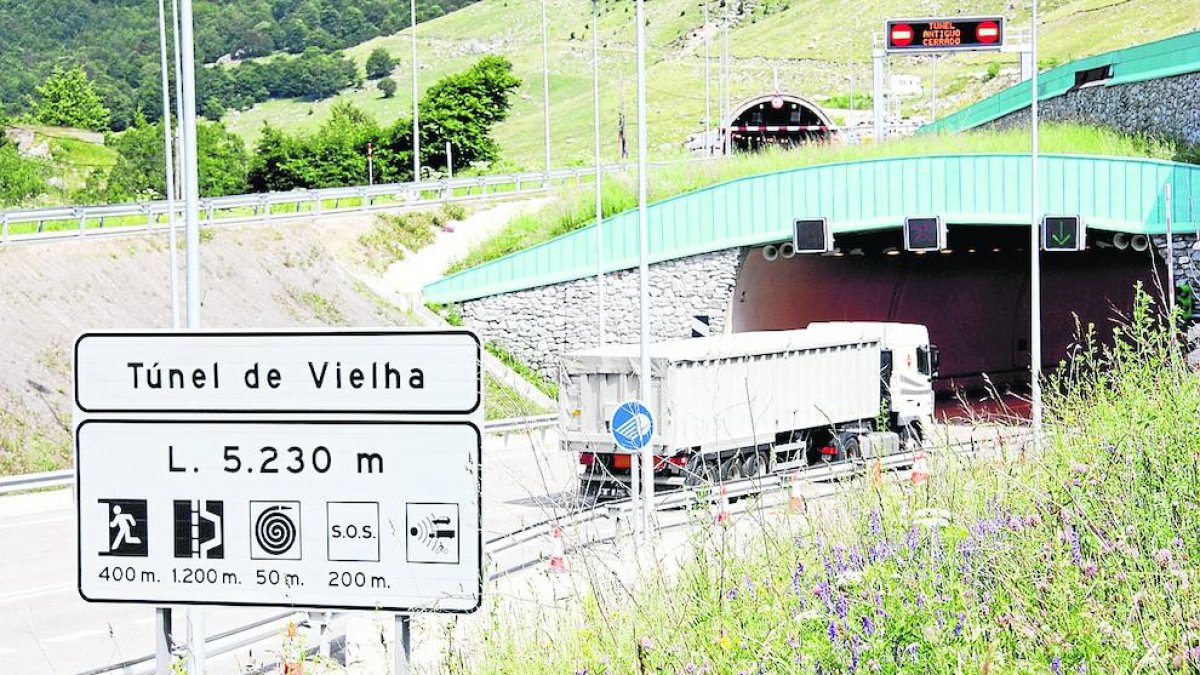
{"x":748,"y":404}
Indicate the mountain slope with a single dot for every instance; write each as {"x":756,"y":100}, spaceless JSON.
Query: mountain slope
{"x":820,"y":48}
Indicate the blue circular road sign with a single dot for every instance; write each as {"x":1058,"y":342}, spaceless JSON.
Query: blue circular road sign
{"x":632,"y":425}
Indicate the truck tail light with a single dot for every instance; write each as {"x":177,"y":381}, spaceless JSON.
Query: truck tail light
{"x":829,"y":450}
{"x":587,"y":458}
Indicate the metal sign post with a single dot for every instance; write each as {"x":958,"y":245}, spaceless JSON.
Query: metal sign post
{"x":403,"y":646}
{"x":646,"y":463}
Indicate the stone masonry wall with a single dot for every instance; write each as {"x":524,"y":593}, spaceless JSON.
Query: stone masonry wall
{"x":538,"y":324}
{"x":1186,"y":257}
{"x":1169,"y":107}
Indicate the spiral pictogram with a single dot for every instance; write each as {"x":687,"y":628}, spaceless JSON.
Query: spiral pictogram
{"x":275,"y":531}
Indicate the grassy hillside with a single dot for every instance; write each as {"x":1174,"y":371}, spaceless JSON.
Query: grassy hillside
{"x":821,"y":48}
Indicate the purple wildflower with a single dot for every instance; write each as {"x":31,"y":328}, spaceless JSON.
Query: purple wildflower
{"x":958,"y":627}
{"x":912,"y":651}
{"x":833,"y":632}
{"x":1177,"y":542}
{"x":689,"y":668}
{"x":647,"y":643}
{"x":868,"y":625}
{"x":920,"y":599}
{"x":875,"y":521}
{"x":1076,"y":552}
{"x":1089,"y":569}
{"x":1015,"y":524}
{"x":1163,"y":557}
{"x":732,"y":593}
{"x":1082,"y":669}
{"x":842,"y":606}
{"x":1056,"y":666}
{"x":796,"y":578}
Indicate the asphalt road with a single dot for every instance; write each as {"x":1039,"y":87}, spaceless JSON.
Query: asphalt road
{"x":45,"y":627}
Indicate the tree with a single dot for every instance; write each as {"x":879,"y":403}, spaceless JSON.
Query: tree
{"x":140,"y":169}
{"x":68,"y":99}
{"x":20,"y":178}
{"x":388,"y":86}
{"x":335,"y":156}
{"x":379,"y":64}
{"x":464,"y":107}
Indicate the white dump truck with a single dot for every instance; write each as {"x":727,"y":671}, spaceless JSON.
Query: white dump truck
{"x":748,"y":404}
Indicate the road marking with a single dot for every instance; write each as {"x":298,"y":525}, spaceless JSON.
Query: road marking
{"x":74,"y":636}
{"x":31,"y":593}
{"x":30,"y":523}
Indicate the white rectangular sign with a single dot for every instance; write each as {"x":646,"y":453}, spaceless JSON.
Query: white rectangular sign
{"x":366,"y":515}
{"x":399,"y":372}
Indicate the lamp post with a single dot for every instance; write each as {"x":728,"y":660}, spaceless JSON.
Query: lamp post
{"x":546,"y":87}
{"x":647,"y":454}
{"x":416,"y":113}
{"x":1035,"y":277}
{"x":599,"y":170}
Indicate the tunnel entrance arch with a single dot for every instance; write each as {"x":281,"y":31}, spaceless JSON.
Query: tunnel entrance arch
{"x":776,"y":120}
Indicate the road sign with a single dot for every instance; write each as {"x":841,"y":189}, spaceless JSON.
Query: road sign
{"x":1063,"y":233}
{"x":812,"y":235}
{"x":632,"y":425}
{"x":350,"y":515}
{"x":279,"y":372}
{"x":944,"y":34}
{"x":322,"y":503}
{"x":924,"y":234}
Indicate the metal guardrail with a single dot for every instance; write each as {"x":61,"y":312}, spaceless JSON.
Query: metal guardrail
{"x":71,"y":222}
{"x":53,"y":479}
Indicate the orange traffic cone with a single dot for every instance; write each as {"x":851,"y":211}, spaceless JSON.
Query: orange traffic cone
{"x":722,"y":517}
{"x":920,"y":469}
{"x":558,"y":554}
{"x":795,"y":499}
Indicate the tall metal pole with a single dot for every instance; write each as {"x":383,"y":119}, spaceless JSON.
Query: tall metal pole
{"x":179,"y":89}
{"x":707,"y":85}
{"x":169,"y":163}
{"x":546,"y":86}
{"x":647,"y":458}
{"x":1035,"y":277}
{"x":599,"y":170}
{"x":190,"y":615}
{"x":1170,"y":257}
{"x":449,"y":161}
{"x":416,"y":115}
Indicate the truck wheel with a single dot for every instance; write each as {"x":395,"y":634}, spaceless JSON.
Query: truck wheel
{"x":698,"y":472}
{"x":852,"y":449}
{"x":731,"y":469}
{"x":755,"y":466}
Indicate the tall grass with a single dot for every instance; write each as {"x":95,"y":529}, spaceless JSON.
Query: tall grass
{"x":1078,"y":558}
{"x":575,"y":209}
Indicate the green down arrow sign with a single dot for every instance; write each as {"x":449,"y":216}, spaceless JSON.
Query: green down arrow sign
{"x":1063,"y":233}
